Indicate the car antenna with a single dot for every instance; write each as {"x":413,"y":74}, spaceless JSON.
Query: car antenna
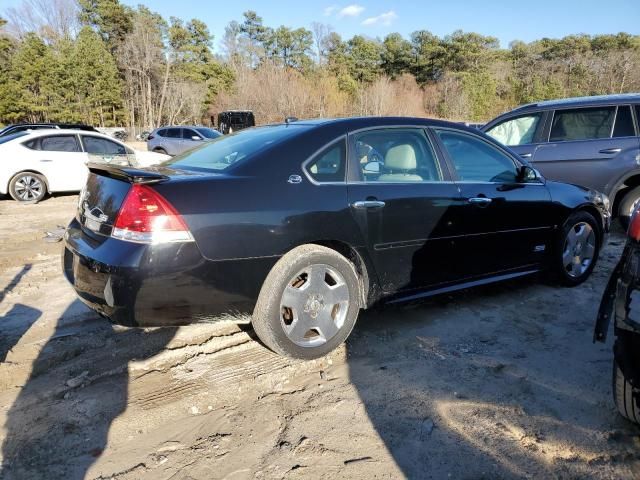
{"x":289,"y":120}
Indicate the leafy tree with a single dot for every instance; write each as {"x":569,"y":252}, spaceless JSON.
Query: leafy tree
{"x":364,"y":58}
{"x":109,"y":18}
{"x":292,"y":47}
{"x":397,"y":55}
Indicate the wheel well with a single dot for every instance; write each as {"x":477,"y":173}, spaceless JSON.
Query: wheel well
{"x":596,"y":214}
{"x":46,"y":182}
{"x":361,"y":266}
{"x":628,"y":184}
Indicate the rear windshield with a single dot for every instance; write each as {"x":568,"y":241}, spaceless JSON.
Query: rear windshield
{"x":228,"y":150}
{"x":11,"y":136}
{"x":208,"y":133}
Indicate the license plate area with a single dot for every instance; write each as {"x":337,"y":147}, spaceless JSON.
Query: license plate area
{"x":92,"y":224}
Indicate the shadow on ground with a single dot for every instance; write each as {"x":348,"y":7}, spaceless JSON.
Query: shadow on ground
{"x":37,"y":446}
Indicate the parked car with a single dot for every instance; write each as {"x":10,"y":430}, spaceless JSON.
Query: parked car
{"x":589,"y":141}
{"x":235,"y":120}
{"x":621,"y":302}
{"x":179,"y":139}
{"x":46,"y":161}
{"x":23,"y":127}
{"x":290,"y":223}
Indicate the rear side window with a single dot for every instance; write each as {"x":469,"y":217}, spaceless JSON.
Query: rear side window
{"x":624,"y":123}
{"x":475,"y":160}
{"x":582,"y":124}
{"x":516,"y":131}
{"x":396,"y":155}
{"x":102,"y":146}
{"x":57,"y":143}
{"x":173,"y":133}
{"x":330,"y":164}
{"x":162,"y":133}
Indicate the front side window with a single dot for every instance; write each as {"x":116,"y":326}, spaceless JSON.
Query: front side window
{"x":173,"y":133}
{"x":102,"y":146}
{"x":187,"y":134}
{"x":476,"y":160}
{"x":396,"y":155}
{"x":58,"y":143}
{"x":582,"y":124}
{"x":516,"y":131}
{"x":329,"y":165}
{"x":208,"y":132}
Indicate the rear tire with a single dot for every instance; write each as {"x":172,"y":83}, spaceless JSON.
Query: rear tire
{"x":577,"y":249}
{"x":161,"y":150}
{"x":624,"y":395}
{"x":627,"y":205}
{"x":28,"y":187}
{"x":308,"y":304}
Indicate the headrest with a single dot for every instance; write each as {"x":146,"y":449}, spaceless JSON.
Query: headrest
{"x":401,"y":157}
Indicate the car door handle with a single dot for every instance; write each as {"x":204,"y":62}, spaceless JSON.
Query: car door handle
{"x":46,"y":161}
{"x":480,"y":201}
{"x":610,"y":151}
{"x":363,"y":204}
{"x":525,"y":155}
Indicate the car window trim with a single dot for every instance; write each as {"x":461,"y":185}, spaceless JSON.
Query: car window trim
{"x":326,"y":146}
{"x":444,"y":170}
{"x":454,"y":173}
{"x":553,"y":116}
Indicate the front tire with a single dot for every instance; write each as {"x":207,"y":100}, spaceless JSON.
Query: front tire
{"x":308,"y":304}
{"x":577,"y":249}
{"x":28,"y":187}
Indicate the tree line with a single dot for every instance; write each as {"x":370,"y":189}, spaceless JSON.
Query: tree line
{"x":107,"y":64}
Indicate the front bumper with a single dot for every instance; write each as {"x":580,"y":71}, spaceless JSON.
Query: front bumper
{"x":158,"y":285}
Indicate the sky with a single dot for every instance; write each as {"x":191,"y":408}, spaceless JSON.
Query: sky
{"x":505,"y":19}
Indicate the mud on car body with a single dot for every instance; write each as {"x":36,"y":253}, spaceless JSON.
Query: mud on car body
{"x":621,"y":302}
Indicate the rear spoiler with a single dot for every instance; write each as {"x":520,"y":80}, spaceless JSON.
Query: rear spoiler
{"x":127,"y":174}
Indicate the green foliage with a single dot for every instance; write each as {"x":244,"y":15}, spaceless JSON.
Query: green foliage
{"x":109,"y":18}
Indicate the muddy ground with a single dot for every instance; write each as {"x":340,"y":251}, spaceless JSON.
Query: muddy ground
{"x":499,"y":382}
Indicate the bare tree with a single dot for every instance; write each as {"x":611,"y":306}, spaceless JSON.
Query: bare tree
{"x":321,"y":33}
{"x":51,"y":19}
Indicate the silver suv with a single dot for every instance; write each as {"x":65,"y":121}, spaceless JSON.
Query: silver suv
{"x":588,"y":141}
{"x":178,"y":139}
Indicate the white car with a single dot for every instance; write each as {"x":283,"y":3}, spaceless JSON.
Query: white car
{"x":38,"y":162}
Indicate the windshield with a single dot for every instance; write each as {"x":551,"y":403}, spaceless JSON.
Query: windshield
{"x":8,"y":138}
{"x":229,"y":150}
{"x":208,"y":133}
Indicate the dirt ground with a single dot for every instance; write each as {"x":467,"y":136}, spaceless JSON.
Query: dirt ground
{"x":499,"y":382}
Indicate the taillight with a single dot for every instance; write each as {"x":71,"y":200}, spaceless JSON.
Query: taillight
{"x":634,"y":226}
{"x":147,"y":217}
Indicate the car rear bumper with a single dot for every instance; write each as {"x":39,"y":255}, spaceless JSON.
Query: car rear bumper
{"x":158,"y":285}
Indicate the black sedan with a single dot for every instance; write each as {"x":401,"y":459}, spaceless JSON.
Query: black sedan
{"x":303,"y":224}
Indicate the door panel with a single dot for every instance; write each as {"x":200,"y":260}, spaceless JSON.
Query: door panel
{"x":61,"y":161}
{"x":412,"y":238}
{"x":591,"y":163}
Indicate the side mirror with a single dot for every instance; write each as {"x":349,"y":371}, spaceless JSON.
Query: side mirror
{"x":372,"y":167}
{"x":195,"y":137}
{"x":528,"y":174}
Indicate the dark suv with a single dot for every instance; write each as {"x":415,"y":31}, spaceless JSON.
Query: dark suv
{"x":589,"y":141}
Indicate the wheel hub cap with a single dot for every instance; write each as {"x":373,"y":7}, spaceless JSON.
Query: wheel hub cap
{"x":579,"y":249}
{"x":28,"y":188}
{"x":314,"y":305}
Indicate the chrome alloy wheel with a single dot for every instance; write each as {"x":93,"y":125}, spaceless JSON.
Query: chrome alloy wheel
{"x":28,"y":188}
{"x":579,"y":248}
{"x":314,"y":305}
